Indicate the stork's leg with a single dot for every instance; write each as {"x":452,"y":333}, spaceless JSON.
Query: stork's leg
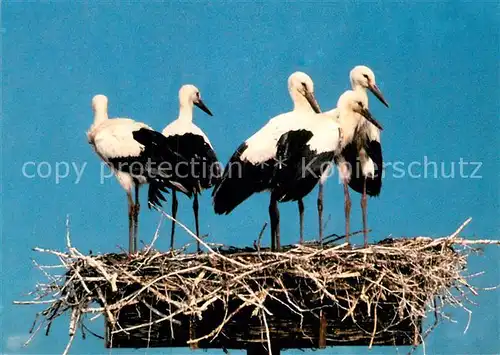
{"x":272,"y":219}
{"x":274,"y":216}
{"x":347,"y":208}
{"x":195,"y":210}
{"x":363,"y":208}
{"x":137,"y":208}
{"x":320,"y":212}
{"x":301,"y":219}
{"x":130,"y":223}
{"x":175,"y":204}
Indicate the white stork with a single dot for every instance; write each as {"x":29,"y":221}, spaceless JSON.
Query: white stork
{"x":363,"y":155}
{"x":250,"y":168}
{"x":307,"y":152}
{"x":201,"y":170}
{"x":116,"y":142}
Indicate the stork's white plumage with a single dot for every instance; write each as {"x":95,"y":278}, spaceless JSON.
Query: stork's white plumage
{"x":201,"y":169}
{"x":250,"y":169}
{"x":116,"y":142}
{"x":363,"y":155}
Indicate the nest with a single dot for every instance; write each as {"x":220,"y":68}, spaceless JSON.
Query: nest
{"x":305,"y":296}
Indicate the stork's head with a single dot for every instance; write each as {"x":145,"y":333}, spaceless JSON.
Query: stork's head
{"x":99,"y":103}
{"x":300,"y":83}
{"x":189,"y":94}
{"x":362,"y":76}
{"x":357,"y":102}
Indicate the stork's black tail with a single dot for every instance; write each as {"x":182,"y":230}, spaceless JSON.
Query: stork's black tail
{"x":373,"y":183}
{"x":161,"y":160}
{"x":155,"y":195}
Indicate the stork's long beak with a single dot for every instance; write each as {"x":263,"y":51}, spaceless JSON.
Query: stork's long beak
{"x":367,"y":114}
{"x":202,"y":106}
{"x":312,"y":101}
{"x":376,"y":91}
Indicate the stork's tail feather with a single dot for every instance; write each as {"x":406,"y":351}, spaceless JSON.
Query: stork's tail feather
{"x":155,"y":195}
{"x":373,"y":185}
{"x":215,"y":177}
{"x":228,"y":195}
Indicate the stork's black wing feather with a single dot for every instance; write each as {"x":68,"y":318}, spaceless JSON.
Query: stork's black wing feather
{"x":202,"y":170}
{"x":299,"y":167}
{"x":159,"y":161}
{"x":240,"y":180}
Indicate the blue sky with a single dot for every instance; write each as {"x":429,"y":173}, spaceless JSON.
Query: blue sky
{"x":437,"y":64}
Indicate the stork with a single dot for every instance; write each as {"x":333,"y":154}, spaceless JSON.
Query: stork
{"x":250,"y":168}
{"x":367,"y":178}
{"x":201,"y":169}
{"x":116,"y":142}
{"x":307,"y":152}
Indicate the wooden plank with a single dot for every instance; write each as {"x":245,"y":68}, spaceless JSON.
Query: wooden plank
{"x":244,"y":329}
{"x":322,"y":330}
{"x":192,"y":333}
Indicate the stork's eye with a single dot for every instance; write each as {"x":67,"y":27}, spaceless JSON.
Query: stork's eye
{"x":198,"y":94}
{"x":366,"y":76}
{"x":304,"y":86}
{"x":360,"y":103}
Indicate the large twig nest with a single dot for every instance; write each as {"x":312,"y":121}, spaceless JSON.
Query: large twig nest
{"x":232,"y":297}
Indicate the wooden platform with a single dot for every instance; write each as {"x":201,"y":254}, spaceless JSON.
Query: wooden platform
{"x":287,"y":329}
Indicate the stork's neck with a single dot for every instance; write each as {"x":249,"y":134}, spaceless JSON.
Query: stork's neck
{"x":99,"y":117}
{"x":360,"y":89}
{"x":349,"y":123}
{"x":356,"y":85}
{"x":186,"y":111}
{"x":300,"y":103}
